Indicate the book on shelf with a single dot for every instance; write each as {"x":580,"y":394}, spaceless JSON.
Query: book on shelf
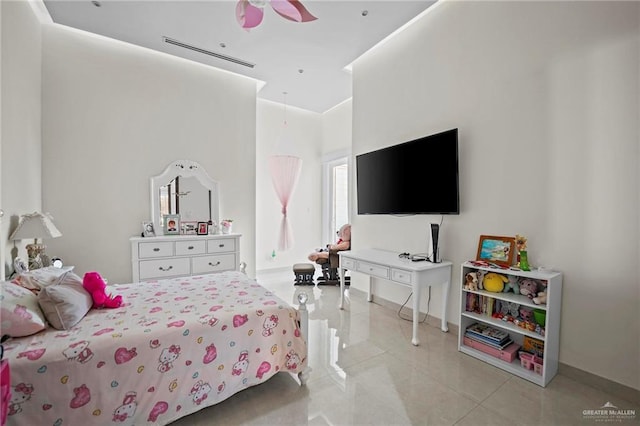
{"x":488,"y":332}
{"x":491,"y":343}
{"x":534,"y":346}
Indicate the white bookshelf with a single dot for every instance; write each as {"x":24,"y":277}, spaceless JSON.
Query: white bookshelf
{"x":551,"y":336}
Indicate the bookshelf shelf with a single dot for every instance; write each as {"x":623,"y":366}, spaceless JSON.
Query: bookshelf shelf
{"x":518,"y":334}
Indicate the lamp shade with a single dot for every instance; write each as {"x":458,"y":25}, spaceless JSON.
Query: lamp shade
{"x":35,"y":225}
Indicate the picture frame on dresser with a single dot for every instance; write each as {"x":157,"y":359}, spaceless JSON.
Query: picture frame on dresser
{"x":148,"y":230}
{"x":189,"y":227}
{"x":203,"y":228}
{"x":498,"y":250}
{"x":171,"y":224}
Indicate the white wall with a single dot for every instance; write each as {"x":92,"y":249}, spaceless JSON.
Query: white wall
{"x":336,"y":128}
{"x":114,"y":115}
{"x":20,"y":152}
{"x":301,"y":137}
{"x":545,"y":96}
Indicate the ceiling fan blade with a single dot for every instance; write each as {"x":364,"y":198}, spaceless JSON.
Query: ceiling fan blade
{"x":247,"y":15}
{"x":292,"y":10}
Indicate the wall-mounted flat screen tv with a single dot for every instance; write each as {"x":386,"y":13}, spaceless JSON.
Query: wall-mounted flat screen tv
{"x":415,"y":177}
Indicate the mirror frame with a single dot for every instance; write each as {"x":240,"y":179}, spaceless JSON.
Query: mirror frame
{"x":182,"y":168}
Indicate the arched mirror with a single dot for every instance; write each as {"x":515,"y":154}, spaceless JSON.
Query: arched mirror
{"x":184,"y":188}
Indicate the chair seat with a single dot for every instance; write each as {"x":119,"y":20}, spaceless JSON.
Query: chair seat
{"x":304,"y":273}
{"x":304,"y":267}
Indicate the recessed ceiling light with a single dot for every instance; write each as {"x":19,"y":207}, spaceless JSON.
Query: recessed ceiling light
{"x":300,"y":70}
{"x":96,"y":3}
{"x":223,"y":45}
{"x":365,"y":12}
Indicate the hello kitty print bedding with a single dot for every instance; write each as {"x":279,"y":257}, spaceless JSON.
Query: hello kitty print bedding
{"x":175,"y":347}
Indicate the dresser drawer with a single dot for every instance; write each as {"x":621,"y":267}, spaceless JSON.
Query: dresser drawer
{"x":401,"y":276}
{"x":163,"y":268}
{"x":159,"y":249}
{"x":216,"y":263}
{"x":373,"y":269}
{"x":347,"y":263}
{"x":187,"y":248}
{"x":221,"y":245}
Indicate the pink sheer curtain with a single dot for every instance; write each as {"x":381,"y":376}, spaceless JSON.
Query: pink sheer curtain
{"x":285,"y":170}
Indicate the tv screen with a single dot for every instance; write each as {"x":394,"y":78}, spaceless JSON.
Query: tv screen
{"x":416,"y":177}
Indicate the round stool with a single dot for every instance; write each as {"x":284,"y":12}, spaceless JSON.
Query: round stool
{"x":304,"y":273}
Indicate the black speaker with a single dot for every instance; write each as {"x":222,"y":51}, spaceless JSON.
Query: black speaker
{"x":435,"y":230}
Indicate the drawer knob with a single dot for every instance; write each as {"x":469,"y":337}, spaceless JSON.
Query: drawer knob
{"x":190,"y":247}
{"x":165,"y":269}
{"x":216,"y":264}
{"x":156,"y":249}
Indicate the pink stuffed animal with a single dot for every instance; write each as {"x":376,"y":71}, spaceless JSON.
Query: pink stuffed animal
{"x":96,"y":286}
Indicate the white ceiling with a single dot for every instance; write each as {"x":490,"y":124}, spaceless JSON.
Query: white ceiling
{"x":279,"y":48}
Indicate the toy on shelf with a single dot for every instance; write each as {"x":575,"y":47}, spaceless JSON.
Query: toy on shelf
{"x":528,"y":287}
{"x":521,"y":245}
{"x":494,"y":282}
{"x":512,"y":285}
{"x":541,"y":298}
{"x":471,"y":281}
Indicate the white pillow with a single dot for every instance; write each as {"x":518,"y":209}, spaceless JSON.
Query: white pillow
{"x":66,"y":302}
{"x":36,"y":279}
{"x":19,"y":310}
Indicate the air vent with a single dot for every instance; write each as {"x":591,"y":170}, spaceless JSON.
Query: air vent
{"x":208,"y":52}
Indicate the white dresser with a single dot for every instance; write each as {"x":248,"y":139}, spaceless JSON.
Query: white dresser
{"x":182,"y":255}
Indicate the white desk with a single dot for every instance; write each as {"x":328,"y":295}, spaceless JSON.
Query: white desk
{"x":387,"y":265}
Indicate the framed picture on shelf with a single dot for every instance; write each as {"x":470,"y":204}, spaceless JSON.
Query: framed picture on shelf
{"x":148,"y":230}
{"x":171,"y":224}
{"x":498,"y":250}
{"x":189,"y":227}
{"x":203,"y":228}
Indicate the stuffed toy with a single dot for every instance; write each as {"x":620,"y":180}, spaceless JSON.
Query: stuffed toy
{"x":96,"y":287}
{"x":494,"y":282}
{"x":541,"y":298}
{"x":526,"y":314}
{"x":512,"y":284}
{"x":528,"y":287}
{"x":343,"y":243}
{"x":471,"y":281}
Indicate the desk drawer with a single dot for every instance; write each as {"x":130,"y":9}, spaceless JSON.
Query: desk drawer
{"x":221,"y":245}
{"x":373,"y":269}
{"x":216,"y":263}
{"x":164,"y":268}
{"x":190,"y":247}
{"x":159,"y":249}
{"x":348,"y":263}
{"x":401,"y":276}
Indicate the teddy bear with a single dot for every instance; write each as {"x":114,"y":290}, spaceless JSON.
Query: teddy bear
{"x":512,"y":285}
{"x":95,"y":285}
{"x":541,"y":298}
{"x":471,"y":281}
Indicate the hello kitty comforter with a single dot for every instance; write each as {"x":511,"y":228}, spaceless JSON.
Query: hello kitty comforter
{"x":175,"y":347}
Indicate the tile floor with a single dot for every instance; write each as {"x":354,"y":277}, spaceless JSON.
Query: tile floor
{"x":366,"y":372}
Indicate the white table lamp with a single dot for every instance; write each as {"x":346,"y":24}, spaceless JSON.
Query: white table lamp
{"x":36,"y":225}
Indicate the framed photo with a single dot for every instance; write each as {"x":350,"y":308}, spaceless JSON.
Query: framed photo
{"x":498,"y":250}
{"x":148,"y":230}
{"x":171,"y":224}
{"x":189,"y":227}
{"x":203,"y":228}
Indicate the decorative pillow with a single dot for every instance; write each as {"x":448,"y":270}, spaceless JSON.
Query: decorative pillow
{"x":36,"y":279}
{"x":20,"y":313}
{"x":66,"y":302}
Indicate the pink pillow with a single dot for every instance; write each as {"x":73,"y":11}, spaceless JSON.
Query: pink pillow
{"x":20,"y":313}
